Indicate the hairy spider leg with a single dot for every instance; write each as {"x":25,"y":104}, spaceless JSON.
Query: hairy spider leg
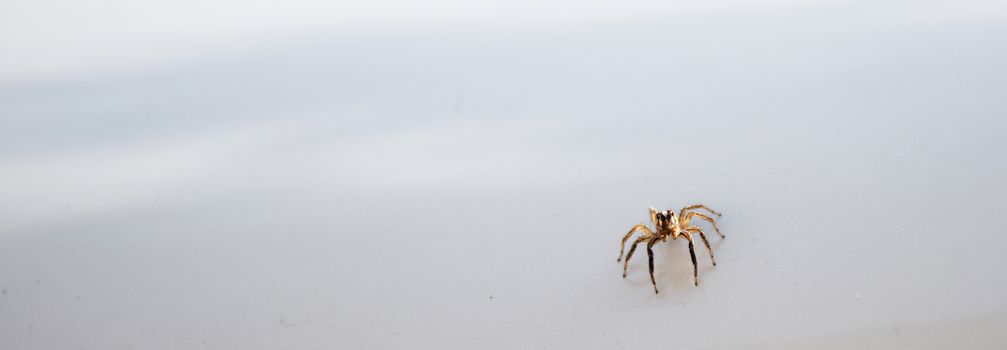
{"x":650,"y":255}
{"x":692,"y":252}
{"x":646,"y":231}
{"x":700,"y":206}
{"x":625,"y":264}
{"x":689,"y":215}
{"x":705,"y":241}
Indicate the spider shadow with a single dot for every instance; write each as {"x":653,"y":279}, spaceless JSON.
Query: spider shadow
{"x":672,"y":266}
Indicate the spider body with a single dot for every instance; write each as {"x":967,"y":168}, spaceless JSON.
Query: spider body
{"x":668,"y":225}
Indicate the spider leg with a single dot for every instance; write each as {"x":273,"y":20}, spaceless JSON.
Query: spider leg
{"x":705,"y":241}
{"x":625,"y":264}
{"x":692,"y":252}
{"x":689,"y":215}
{"x":700,"y":206}
{"x":622,"y":247}
{"x":650,"y":254}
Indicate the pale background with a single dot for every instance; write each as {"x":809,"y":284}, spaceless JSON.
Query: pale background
{"x":447,"y":174}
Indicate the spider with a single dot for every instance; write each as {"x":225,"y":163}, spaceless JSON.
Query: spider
{"x":667,"y":224}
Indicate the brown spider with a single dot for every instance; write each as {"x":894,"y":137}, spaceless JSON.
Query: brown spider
{"x":669,"y":225}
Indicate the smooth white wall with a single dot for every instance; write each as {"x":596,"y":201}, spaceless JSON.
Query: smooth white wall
{"x":447,"y":175}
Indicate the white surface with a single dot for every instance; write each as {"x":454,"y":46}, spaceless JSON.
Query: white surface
{"x":460,"y":178}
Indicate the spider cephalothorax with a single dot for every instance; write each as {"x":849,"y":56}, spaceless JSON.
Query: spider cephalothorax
{"x":667,"y":224}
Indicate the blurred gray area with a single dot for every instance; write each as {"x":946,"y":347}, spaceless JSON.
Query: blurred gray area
{"x":465,"y":183}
